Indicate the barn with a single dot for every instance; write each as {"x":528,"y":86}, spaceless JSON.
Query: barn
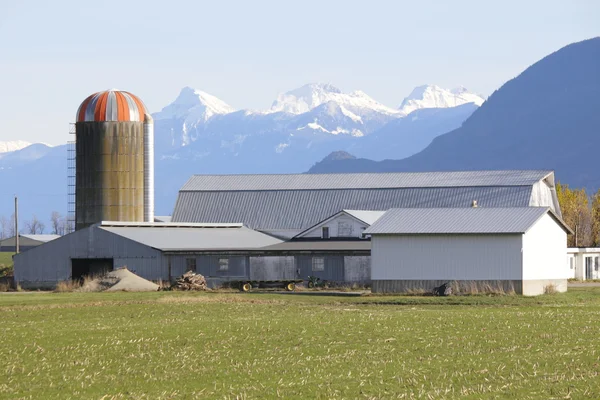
{"x":512,"y":249}
{"x":307,"y":225}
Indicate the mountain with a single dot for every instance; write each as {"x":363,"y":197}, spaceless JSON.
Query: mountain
{"x":432,"y":96}
{"x":14,"y":145}
{"x":24,"y":155}
{"x":199,"y":133}
{"x":546,"y":118}
{"x":310,"y":96}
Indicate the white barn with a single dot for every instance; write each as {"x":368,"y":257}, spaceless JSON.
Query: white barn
{"x":520,"y":249}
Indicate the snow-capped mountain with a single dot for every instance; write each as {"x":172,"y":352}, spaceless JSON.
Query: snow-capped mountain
{"x":432,"y":96}
{"x":308,"y":97}
{"x":13,"y":145}
{"x":191,"y":109}
{"x":199,"y":133}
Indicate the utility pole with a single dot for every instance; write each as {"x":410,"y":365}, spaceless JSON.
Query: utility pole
{"x":16,"y":224}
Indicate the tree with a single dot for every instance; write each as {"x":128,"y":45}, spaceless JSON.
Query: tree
{"x":35,"y":226}
{"x":68,"y":225}
{"x":57,"y":223}
{"x":577,"y":213}
{"x":3,"y":227}
{"x":11,"y":226}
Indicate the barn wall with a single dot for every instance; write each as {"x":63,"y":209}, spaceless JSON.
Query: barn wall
{"x":272,"y":268}
{"x":357,"y":269}
{"x":545,"y":260}
{"x":333,"y":268}
{"x":50,"y":263}
{"x":542,"y":196}
{"x":350,"y":227}
{"x":446,"y":257}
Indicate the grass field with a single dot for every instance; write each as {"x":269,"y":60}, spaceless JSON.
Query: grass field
{"x":178,"y":345}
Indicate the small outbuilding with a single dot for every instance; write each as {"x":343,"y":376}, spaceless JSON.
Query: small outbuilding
{"x":584,"y":263}
{"x":520,"y":249}
{"x":26,"y":242}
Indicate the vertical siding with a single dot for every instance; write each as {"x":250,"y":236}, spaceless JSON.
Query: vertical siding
{"x":208,"y":265}
{"x":446,"y":257}
{"x":333,"y":271}
{"x":357,"y":269}
{"x":356,"y":227}
{"x":51,"y":262}
{"x":545,"y":251}
{"x":272,"y":268}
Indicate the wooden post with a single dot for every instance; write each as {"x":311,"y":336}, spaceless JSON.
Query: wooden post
{"x":16,"y":224}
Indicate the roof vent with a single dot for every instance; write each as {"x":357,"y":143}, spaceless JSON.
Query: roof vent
{"x":474,"y":204}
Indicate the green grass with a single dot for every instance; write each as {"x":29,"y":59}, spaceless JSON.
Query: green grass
{"x":169,"y":345}
{"x":6,"y":263}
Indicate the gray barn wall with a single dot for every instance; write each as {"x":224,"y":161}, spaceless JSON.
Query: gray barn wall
{"x":272,"y":268}
{"x":334,"y":268}
{"x":50,"y":263}
{"x":357,"y":269}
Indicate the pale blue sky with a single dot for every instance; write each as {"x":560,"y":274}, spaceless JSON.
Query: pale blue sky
{"x":55,"y":53}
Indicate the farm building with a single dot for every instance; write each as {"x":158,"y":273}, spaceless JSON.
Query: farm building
{"x":290,"y":204}
{"x":584,"y":263}
{"x":520,"y":249}
{"x":308,"y":224}
{"x":26,"y":242}
{"x":221,"y":252}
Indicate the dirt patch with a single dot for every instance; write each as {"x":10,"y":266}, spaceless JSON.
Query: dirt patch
{"x":119,"y":280}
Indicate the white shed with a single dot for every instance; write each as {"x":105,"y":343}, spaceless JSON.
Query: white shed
{"x":520,"y":249}
{"x":584,"y":263}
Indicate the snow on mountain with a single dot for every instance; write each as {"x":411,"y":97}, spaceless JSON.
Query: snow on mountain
{"x":194,"y":105}
{"x":308,"y":97}
{"x":14,"y":145}
{"x":432,"y":96}
{"x":184,"y":118}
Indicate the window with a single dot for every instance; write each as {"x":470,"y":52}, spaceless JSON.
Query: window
{"x":318,"y":264}
{"x":223,"y":264}
{"x":325,"y":232}
{"x":571,"y":262}
{"x":345,"y":228}
{"x":190,"y":264}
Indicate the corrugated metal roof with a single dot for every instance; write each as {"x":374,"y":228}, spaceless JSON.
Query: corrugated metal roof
{"x":322,"y":245}
{"x":41,"y":238}
{"x":457,"y":220}
{"x":366,"y":216}
{"x":301,"y":209}
{"x":195,"y":239}
{"x":362,"y":180}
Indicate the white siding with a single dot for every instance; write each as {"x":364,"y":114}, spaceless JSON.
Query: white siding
{"x":545,"y":251}
{"x":446,"y":257}
{"x":354,"y":226}
{"x":542,"y":196}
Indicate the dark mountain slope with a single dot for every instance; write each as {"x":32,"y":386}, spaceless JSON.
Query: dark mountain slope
{"x":546,"y":118}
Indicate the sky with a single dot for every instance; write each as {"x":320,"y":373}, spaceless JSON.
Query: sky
{"x":53,"y":54}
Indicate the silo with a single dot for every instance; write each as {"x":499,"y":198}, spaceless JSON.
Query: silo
{"x":110,"y":156}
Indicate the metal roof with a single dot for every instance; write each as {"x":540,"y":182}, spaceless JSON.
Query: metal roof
{"x":194,"y":239}
{"x":322,"y":245}
{"x":111,"y":105}
{"x":301,"y":209}
{"x":366,"y":216}
{"x":222,"y":183}
{"x":41,"y":238}
{"x":477,"y":220}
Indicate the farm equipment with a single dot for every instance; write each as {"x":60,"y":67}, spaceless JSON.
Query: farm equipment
{"x":315,"y":281}
{"x":443,"y":290}
{"x":246,"y":286}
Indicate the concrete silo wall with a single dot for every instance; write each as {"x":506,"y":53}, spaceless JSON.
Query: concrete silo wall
{"x":109,"y":172}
